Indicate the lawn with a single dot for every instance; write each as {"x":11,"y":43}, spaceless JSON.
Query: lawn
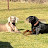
{"x":22,"y":11}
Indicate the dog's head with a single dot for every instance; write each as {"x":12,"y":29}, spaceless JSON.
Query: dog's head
{"x":13,"y":19}
{"x":32,"y":19}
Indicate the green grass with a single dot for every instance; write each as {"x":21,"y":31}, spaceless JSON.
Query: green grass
{"x":22,"y":11}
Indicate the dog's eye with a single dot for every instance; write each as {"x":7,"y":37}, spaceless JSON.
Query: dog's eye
{"x":32,"y":18}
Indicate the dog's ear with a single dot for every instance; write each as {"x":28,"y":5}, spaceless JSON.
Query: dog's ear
{"x":8,"y":19}
{"x":36,"y":18}
{"x":17,"y":19}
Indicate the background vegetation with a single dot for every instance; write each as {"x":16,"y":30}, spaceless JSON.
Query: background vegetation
{"x":30,"y":1}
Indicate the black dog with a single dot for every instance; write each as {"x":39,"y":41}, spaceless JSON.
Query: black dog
{"x":37,"y":26}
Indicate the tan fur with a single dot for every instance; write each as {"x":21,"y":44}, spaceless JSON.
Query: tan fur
{"x":9,"y":27}
{"x":3,"y":27}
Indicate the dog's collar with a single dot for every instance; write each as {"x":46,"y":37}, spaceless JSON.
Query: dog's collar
{"x":36,"y":23}
{"x":10,"y":26}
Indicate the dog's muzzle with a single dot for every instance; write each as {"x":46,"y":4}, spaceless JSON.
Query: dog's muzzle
{"x":27,"y":19}
{"x":13,"y":24}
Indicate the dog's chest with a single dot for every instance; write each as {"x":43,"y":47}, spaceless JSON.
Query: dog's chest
{"x":8,"y":28}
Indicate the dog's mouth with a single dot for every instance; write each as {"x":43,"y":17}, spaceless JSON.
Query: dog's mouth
{"x":13,"y":24}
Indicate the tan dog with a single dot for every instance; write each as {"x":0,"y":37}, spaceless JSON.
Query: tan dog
{"x":10,"y":26}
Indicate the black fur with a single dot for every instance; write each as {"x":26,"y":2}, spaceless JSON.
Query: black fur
{"x":39,"y":28}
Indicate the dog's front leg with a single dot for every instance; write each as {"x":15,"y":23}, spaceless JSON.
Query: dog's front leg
{"x":32,"y":29}
{"x":37,"y":30}
{"x":16,"y":30}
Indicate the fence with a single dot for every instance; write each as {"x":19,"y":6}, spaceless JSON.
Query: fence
{"x":4,"y":4}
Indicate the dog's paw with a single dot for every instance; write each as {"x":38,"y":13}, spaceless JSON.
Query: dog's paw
{"x":25,"y":32}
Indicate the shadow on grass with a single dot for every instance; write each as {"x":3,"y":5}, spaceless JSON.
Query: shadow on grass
{"x":20,"y":29}
{"x":15,"y":9}
{"x":12,"y":9}
{"x":5,"y":45}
